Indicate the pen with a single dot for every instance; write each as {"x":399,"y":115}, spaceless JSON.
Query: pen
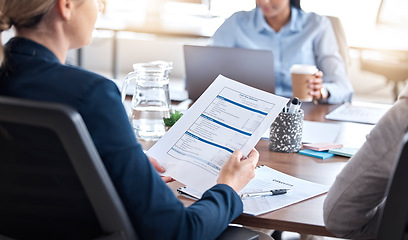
{"x":294,"y":104}
{"x":298,"y":107}
{"x":265,"y":193}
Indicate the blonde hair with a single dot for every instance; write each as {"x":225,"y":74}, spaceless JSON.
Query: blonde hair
{"x":21,"y":14}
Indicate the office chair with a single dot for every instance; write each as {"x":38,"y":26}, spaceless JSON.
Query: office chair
{"x":394,"y":216}
{"x":53,"y":184}
{"x":392,"y":64}
{"x":341,"y":41}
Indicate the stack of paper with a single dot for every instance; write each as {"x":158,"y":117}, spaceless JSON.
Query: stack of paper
{"x":266,"y":179}
{"x":359,"y":112}
{"x":321,"y":146}
{"x":346,"y":152}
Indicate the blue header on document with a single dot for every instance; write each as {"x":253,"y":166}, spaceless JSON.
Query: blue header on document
{"x":225,"y":125}
{"x":243,"y":106}
{"x":208,"y":142}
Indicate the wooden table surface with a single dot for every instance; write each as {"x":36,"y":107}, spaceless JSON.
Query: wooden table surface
{"x":305,"y":217}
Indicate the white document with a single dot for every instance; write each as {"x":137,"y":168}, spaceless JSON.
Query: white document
{"x":359,"y":112}
{"x":267,"y":179}
{"x":314,"y":132}
{"x":228,"y":116}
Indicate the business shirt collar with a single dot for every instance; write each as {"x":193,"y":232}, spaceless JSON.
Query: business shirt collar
{"x":295,"y":23}
{"x":28,"y":47}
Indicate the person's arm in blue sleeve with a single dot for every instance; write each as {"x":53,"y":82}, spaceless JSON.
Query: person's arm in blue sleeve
{"x":154,"y":210}
{"x":330,"y":62}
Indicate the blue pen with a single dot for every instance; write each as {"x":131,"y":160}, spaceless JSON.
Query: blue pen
{"x":294,"y":105}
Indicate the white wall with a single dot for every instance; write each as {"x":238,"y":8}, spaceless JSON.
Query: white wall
{"x":134,"y":48}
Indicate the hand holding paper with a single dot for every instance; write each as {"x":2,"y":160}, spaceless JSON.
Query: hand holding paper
{"x":160,"y":169}
{"x":237,"y":172}
{"x":228,"y":116}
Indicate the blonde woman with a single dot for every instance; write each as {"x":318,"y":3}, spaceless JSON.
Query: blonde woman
{"x":33,"y":68}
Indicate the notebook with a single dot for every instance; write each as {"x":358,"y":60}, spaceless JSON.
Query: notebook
{"x":204,"y":63}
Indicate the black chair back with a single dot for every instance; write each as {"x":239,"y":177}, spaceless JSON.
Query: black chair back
{"x":53,"y":184}
{"x":394,"y":215}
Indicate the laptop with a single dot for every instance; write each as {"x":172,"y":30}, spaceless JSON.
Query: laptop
{"x":204,"y":63}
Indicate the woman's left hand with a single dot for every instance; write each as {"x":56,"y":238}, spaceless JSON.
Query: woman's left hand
{"x":315,"y":85}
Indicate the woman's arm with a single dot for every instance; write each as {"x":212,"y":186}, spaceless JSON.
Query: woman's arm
{"x":352,"y":204}
{"x":330,"y":62}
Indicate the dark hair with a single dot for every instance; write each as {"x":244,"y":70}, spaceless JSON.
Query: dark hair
{"x":295,"y":3}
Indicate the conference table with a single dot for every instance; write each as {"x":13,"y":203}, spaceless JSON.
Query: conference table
{"x":305,"y":217}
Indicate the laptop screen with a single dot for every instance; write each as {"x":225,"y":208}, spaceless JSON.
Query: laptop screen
{"x":204,"y":63}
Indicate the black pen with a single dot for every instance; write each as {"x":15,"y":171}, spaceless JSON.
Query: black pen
{"x":265,"y":193}
{"x":294,"y":105}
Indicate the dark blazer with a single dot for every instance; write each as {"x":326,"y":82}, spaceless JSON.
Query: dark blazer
{"x":34,"y":72}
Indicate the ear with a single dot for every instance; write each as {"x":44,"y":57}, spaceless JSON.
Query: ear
{"x":65,"y":8}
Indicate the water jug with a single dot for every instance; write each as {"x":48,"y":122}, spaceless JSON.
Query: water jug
{"x":151,"y":99}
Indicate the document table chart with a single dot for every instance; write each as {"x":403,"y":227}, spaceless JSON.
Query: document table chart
{"x":305,"y":217}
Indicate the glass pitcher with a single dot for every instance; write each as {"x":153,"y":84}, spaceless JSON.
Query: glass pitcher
{"x":151,"y":98}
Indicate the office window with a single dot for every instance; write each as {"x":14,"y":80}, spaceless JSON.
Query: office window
{"x":393,"y":12}
{"x":138,"y":9}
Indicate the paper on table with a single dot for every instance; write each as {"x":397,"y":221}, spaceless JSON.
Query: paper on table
{"x":228,"y":116}
{"x":266,"y":179}
{"x":359,"y":112}
{"x":320,"y":132}
{"x":316,"y":132}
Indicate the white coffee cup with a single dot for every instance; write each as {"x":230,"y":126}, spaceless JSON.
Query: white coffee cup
{"x":300,"y":74}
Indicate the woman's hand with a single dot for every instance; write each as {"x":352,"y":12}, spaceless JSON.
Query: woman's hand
{"x":237,"y":172}
{"x":315,"y":85}
{"x":160,"y":169}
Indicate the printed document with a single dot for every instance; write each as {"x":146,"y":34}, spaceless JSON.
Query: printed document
{"x":359,"y":112}
{"x":266,"y":179}
{"x":229,"y":115}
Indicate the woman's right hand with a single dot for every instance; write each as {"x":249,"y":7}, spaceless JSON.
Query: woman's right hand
{"x":237,"y":172}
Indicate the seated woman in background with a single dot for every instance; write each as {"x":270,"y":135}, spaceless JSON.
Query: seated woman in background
{"x":33,"y":67}
{"x":353,"y":204}
{"x":295,"y":37}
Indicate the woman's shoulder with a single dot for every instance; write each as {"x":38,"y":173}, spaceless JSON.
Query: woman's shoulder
{"x":83,"y":79}
{"x":75,"y":73}
{"x":312,"y":18}
{"x":241,"y":16}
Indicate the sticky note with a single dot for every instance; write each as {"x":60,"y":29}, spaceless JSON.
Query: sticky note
{"x":317,"y":154}
{"x":346,"y":152}
{"x":322,"y":146}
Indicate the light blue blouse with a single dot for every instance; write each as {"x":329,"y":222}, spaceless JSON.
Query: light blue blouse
{"x":307,"y":38}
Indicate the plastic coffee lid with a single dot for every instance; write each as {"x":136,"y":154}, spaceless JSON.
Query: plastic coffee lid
{"x":303,"y":69}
